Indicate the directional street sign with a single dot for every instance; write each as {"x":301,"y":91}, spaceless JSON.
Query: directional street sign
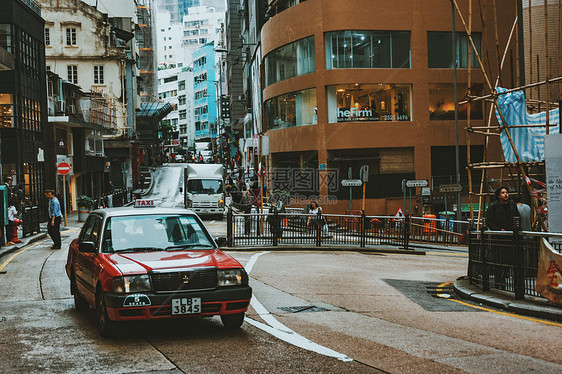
{"x":450,"y":188}
{"x":417,"y":183}
{"x":351,"y":182}
{"x":63,"y":168}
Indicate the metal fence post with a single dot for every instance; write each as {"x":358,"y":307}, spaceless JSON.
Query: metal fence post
{"x":318,"y":229}
{"x":518,"y":261}
{"x":274,"y":226}
{"x":229,"y":237}
{"x":469,"y":242}
{"x":363,"y":233}
{"x":483,"y":257}
{"x":406,"y":230}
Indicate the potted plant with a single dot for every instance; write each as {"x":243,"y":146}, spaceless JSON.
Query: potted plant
{"x":85,"y":206}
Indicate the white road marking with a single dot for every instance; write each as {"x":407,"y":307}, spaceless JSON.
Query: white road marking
{"x":281,"y":331}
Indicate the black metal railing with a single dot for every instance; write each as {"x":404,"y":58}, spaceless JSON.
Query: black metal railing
{"x":30,"y":220}
{"x":296,"y":228}
{"x":115,"y":199}
{"x":506,"y":260}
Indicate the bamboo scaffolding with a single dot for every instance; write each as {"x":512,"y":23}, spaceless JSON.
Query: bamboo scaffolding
{"x":496,"y":94}
{"x":503,"y":123}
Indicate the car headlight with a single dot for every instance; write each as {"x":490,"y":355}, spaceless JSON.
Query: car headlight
{"x":221,"y":203}
{"x":131,"y":283}
{"x":232,"y":277}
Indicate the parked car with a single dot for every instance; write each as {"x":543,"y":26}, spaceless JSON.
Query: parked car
{"x":179,"y":158}
{"x":143,"y":262}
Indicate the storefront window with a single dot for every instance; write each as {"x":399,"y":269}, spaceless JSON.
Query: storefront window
{"x":440,"y":52}
{"x":6,"y":110}
{"x":442,"y":103}
{"x":293,"y":109}
{"x":369,"y":102}
{"x":290,"y":61}
{"x":367,"y":49}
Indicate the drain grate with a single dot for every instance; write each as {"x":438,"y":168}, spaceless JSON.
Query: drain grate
{"x":306,"y":308}
{"x":445,"y":291}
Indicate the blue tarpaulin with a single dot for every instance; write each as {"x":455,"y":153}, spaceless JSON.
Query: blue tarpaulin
{"x":529,"y":141}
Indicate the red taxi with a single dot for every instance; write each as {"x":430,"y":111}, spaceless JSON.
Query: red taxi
{"x":147,"y":263}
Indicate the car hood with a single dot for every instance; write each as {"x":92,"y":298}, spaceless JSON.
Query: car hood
{"x":143,"y":262}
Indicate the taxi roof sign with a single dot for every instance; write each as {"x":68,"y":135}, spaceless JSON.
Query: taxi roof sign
{"x":144,"y":203}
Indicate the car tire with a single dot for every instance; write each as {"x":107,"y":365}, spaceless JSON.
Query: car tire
{"x":232,"y":321}
{"x":106,"y":326}
{"x":79,"y":303}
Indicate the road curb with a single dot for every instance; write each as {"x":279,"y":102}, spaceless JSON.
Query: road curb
{"x":27,"y":241}
{"x":529,"y":307}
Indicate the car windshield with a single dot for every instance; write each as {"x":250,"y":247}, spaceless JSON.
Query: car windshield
{"x":207,"y":186}
{"x":154,"y":232}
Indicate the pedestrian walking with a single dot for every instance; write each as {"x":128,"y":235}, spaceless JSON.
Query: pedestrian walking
{"x":55,"y":218}
{"x":500,"y":213}
{"x":11,"y":217}
{"x":274,"y":220}
{"x":316,"y":219}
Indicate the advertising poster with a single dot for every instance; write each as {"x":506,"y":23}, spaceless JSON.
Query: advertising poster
{"x":553,"y":159}
{"x":549,"y":275}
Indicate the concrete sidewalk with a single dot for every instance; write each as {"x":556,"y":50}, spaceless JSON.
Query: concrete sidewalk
{"x":530,"y":306}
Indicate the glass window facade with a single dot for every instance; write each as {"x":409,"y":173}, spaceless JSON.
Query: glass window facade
{"x":6,"y":110}
{"x":440,"y":49}
{"x":290,"y":61}
{"x":369,"y":102}
{"x":367,"y":49}
{"x":442,"y":103}
{"x":292,"y":109}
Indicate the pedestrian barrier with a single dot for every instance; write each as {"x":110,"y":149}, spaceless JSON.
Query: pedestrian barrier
{"x":295,"y":228}
{"x":506,"y":260}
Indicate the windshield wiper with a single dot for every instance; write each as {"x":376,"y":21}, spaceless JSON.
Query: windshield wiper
{"x":186,"y":246}
{"x":141,"y":249}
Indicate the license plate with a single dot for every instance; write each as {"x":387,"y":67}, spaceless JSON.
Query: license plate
{"x":186,"y":305}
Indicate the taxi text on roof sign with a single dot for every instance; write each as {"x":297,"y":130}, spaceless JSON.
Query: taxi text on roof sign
{"x":144,"y":203}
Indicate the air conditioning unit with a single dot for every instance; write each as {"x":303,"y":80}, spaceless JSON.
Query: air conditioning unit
{"x":71,"y":109}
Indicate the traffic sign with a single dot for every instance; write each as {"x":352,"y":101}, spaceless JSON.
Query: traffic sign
{"x":63,"y":168}
{"x":450,"y":188}
{"x":399,"y":215}
{"x":351,"y":182}
{"x":417,"y":183}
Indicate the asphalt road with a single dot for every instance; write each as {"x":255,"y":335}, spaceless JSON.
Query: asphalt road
{"x":312,"y":312}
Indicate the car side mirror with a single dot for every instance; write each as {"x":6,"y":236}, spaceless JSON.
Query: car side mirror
{"x":87,"y":247}
{"x":221,"y":241}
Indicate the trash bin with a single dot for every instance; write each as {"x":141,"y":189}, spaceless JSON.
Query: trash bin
{"x":446,"y":218}
{"x":429,"y":225}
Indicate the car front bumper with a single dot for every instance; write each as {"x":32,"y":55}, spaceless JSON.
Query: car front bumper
{"x":150,"y":305}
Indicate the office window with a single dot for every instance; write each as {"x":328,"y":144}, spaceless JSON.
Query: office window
{"x":71,"y":36}
{"x":72,"y":72}
{"x":6,"y":110}
{"x":442,"y":103}
{"x":440,"y":50}
{"x":369,"y":102}
{"x":183,"y":114}
{"x":292,"y":109}
{"x":353,"y":49}
{"x":47,"y":36}
{"x":98,"y":75}
{"x":290,"y":61}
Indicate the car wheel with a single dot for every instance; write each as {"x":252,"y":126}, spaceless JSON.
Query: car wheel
{"x":106,"y":326}
{"x":79,"y":303}
{"x":232,"y":321}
